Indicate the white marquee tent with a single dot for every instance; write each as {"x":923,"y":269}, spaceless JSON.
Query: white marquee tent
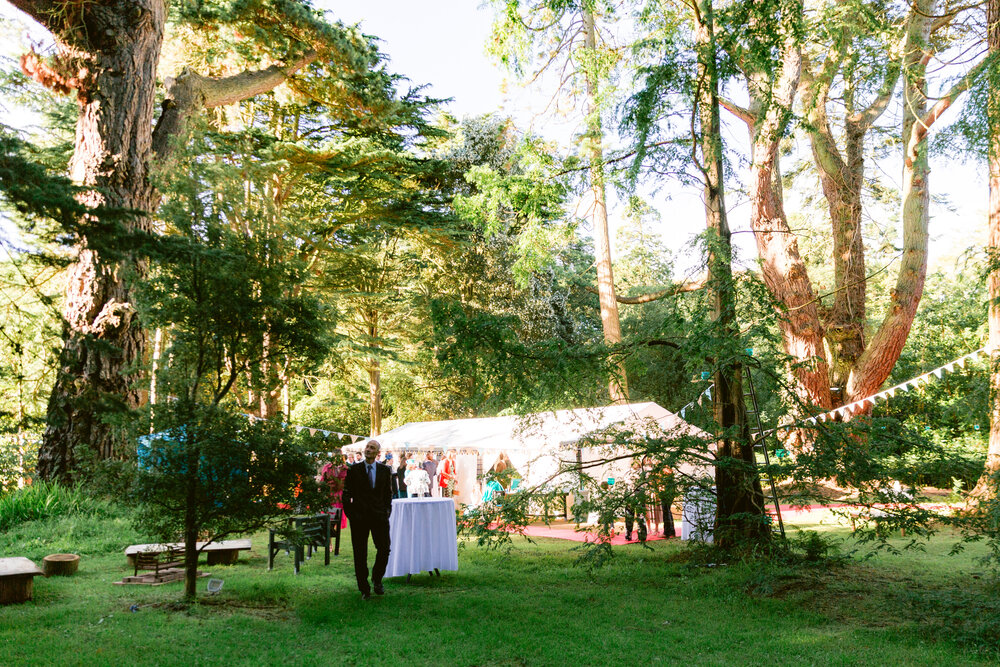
{"x":536,"y":443}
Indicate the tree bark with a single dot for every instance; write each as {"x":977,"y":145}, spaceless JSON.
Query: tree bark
{"x":740,"y":502}
{"x":618,"y":385}
{"x":375,"y":396}
{"x":842,"y":180}
{"x":881,"y":354}
{"x":115,"y":50}
{"x":782,"y":266}
{"x":107,"y":53}
{"x":850,"y":361}
{"x":989,"y":481}
{"x":371,"y":317}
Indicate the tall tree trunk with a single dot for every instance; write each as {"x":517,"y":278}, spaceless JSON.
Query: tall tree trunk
{"x":842,"y":179}
{"x":989,"y":481}
{"x":782,"y":266}
{"x":116,"y":59}
{"x":881,"y":354}
{"x":844,"y":323}
{"x":375,"y":396}
{"x":785,"y":275}
{"x":857,"y":364}
{"x":618,"y":385}
{"x":740,"y":501}
{"x":191,"y":505}
{"x":107,"y":54}
{"x":374,"y":374}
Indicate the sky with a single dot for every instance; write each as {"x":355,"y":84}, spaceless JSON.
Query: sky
{"x":442,"y":43}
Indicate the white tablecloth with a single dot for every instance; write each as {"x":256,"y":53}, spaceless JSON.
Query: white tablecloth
{"x":422,"y":536}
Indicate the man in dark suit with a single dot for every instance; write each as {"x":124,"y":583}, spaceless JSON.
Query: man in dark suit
{"x":367,"y":503}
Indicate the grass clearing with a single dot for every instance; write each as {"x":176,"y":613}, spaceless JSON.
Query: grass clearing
{"x":532,"y":606}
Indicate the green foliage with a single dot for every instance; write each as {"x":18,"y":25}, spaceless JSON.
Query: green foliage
{"x":227,"y":286}
{"x":815,"y":547}
{"x":523,"y":201}
{"x":45,"y":500}
{"x":219,"y":473}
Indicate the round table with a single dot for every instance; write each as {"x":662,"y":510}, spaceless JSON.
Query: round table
{"x":422,"y":536}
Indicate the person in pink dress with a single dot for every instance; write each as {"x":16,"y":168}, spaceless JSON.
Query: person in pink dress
{"x":333,"y":474}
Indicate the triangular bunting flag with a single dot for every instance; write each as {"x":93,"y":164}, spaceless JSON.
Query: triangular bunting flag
{"x":312,"y":432}
{"x":938,"y":372}
{"x":950,"y":367}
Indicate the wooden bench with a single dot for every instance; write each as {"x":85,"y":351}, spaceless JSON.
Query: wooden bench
{"x":159,"y":561}
{"x":224,"y":552}
{"x":305,"y":533}
{"x":17,"y":576}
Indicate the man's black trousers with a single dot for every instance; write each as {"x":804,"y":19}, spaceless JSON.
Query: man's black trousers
{"x":379,"y":530}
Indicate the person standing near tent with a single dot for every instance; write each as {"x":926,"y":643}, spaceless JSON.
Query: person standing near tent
{"x":418,"y":484}
{"x":448,"y":475}
{"x":430,"y":466}
{"x":367,"y":502}
{"x":635,"y":506}
{"x":399,"y":478}
{"x":666,"y":491}
{"x":500,"y":468}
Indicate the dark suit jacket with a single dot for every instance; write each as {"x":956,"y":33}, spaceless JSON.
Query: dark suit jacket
{"x":361,"y":501}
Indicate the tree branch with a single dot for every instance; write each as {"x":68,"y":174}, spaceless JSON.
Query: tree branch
{"x":191,"y":92}
{"x":679,"y":288}
{"x":944,"y":103}
{"x":43,"y":11}
{"x":866,"y":118}
{"x":738,"y":111}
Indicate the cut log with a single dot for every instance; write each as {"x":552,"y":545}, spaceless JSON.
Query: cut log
{"x":16,"y":578}
{"x":64,"y":565}
{"x":15,"y":588}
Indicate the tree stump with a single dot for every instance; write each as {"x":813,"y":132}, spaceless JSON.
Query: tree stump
{"x":60,"y":564}
{"x":16,"y":579}
{"x":15,"y":589}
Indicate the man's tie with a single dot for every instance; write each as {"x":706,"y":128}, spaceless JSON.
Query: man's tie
{"x":371,"y":474}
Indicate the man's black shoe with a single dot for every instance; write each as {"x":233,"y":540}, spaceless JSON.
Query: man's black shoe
{"x":366,"y":596}
{"x":379,"y":590}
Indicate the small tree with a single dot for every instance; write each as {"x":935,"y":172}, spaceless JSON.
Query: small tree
{"x":215,"y":473}
{"x":220,"y":295}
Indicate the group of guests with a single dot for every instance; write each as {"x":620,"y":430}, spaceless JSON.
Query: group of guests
{"x":415,"y":475}
{"x":648,"y":486}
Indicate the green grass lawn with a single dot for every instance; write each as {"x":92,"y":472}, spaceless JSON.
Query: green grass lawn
{"x":531,"y":606}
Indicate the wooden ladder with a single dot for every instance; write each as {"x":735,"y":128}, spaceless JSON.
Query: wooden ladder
{"x":760,"y":441}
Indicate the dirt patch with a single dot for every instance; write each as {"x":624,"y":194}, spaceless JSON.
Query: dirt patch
{"x":826,"y":490}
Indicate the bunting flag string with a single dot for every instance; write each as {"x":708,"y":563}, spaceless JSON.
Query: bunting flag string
{"x":707,"y":393}
{"x":886,"y":394}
